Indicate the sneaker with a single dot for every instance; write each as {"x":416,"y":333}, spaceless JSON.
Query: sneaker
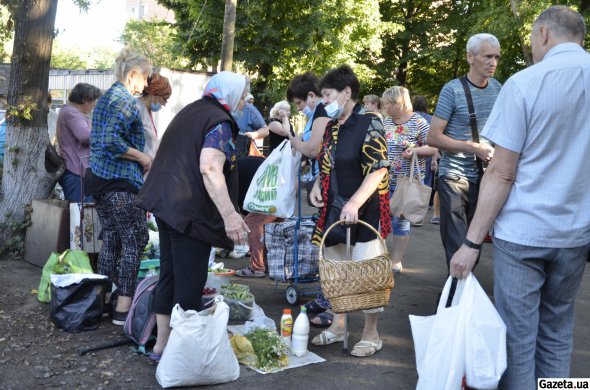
{"x":119,"y":318}
{"x":418,"y":224}
{"x":435,"y":221}
{"x":239,"y":251}
{"x":397,"y":268}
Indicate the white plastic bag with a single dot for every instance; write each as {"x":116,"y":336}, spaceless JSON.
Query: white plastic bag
{"x":259,"y":320}
{"x":467,"y":339}
{"x":198,"y":350}
{"x":272,"y":190}
{"x":485,"y":352}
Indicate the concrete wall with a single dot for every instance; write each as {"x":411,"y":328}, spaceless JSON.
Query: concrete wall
{"x":186,"y":88}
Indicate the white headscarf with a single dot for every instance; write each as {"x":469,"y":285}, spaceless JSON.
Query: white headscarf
{"x":227,"y":88}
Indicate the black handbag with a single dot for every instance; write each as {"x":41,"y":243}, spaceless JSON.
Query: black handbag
{"x":338,"y":234}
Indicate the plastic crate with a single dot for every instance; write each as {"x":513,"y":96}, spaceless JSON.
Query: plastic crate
{"x":145,"y":266}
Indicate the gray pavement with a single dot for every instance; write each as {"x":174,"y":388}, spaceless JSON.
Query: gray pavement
{"x":415,"y":292}
{"x":34,"y":354}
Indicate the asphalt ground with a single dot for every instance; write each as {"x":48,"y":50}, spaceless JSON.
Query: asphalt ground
{"x":33,"y":354}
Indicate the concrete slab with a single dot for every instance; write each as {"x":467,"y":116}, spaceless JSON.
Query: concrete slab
{"x":49,"y":230}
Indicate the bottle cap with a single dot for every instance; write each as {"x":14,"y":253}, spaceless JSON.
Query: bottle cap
{"x":286,"y":311}
{"x":303,"y":309}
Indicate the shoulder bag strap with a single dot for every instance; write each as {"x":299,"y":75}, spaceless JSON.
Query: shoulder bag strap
{"x":472,"y":118}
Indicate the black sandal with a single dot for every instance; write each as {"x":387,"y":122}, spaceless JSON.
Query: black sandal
{"x":324,"y":318}
{"x":313,"y":307}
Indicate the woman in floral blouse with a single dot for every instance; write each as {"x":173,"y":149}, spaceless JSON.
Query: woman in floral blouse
{"x":406,"y":133}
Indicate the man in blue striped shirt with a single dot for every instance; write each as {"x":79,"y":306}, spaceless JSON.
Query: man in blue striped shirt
{"x":450,"y":131}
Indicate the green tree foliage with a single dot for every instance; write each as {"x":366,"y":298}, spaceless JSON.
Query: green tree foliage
{"x":6,"y":32}
{"x":277,"y":39}
{"x":416,"y":43}
{"x":67,"y":58}
{"x":155,"y":40}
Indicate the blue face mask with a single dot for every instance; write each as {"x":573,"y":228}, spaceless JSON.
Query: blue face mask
{"x":307,"y":111}
{"x":333,"y":109}
{"x":155,"y":107}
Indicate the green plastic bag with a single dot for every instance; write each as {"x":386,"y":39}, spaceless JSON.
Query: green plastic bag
{"x":69,"y":262}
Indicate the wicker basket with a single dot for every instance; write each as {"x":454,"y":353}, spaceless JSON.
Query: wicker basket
{"x":356,"y":285}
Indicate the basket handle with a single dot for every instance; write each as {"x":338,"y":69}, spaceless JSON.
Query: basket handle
{"x":342,"y":221}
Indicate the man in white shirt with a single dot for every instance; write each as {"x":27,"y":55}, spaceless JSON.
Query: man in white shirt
{"x":536,"y":189}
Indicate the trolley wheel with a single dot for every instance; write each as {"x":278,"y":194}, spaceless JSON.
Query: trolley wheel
{"x":292,"y":295}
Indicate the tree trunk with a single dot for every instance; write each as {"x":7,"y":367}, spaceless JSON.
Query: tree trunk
{"x":229,"y":33}
{"x":526,"y":50}
{"x":403,"y":65}
{"x":25,"y":175}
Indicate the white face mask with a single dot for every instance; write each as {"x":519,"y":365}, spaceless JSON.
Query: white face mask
{"x":333,"y":110}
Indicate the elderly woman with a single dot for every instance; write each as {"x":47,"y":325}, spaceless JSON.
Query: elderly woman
{"x":192,"y":190}
{"x":117,"y":166}
{"x":353,"y":165}
{"x":406,"y":133}
{"x":153,"y":98}
{"x":73,"y":137}
{"x":372,"y":103}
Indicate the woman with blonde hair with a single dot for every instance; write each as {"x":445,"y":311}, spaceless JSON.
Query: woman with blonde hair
{"x":406,"y":133}
{"x":115,"y":176}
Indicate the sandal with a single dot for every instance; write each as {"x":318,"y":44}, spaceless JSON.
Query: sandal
{"x":313,"y":307}
{"x":249,"y":273}
{"x":323,"y":320}
{"x":366,"y":348}
{"x":327,"y":337}
{"x":154,"y":357}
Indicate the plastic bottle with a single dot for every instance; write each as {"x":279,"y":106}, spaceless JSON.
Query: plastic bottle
{"x":151,"y":271}
{"x":300,"y":334}
{"x":286,"y":327}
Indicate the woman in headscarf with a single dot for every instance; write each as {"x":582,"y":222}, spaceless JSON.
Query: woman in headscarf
{"x":192,"y":190}
{"x":115,"y":175}
{"x":154,"y":97}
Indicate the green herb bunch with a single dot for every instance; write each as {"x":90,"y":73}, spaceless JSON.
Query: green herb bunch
{"x":269,"y":349}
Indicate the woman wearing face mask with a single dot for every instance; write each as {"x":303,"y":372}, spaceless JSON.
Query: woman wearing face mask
{"x":153,"y":98}
{"x":192,"y":189}
{"x":353,"y":165}
{"x":115,"y":175}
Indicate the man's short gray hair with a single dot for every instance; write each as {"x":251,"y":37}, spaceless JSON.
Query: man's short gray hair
{"x":474,"y":43}
{"x":563,"y":21}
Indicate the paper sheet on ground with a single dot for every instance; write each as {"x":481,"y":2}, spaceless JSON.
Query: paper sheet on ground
{"x":294,"y":361}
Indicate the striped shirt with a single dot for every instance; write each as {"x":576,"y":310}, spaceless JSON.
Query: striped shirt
{"x":452,"y":107}
{"x":542,"y":114}
{"x":411,"y":134}
{"x":116,"y":127}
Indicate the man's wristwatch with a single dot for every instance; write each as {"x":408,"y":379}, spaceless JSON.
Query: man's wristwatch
{"x":471,"y":244}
